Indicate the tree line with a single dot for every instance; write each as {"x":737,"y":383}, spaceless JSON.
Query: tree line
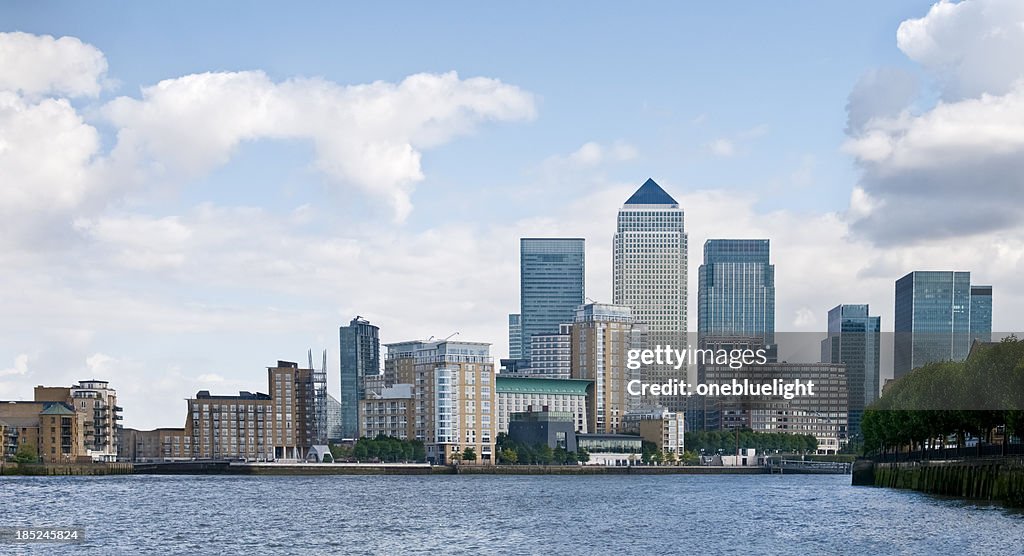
{"x":512,"y":452}
{"x":381,"y":449}
{"x":727,"y":441}
{"x":941,"y":403}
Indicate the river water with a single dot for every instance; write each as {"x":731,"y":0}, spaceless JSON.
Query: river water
{"x":707,"y":514}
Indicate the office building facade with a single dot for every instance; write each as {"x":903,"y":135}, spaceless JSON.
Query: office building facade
{"x":854,"y":339}
{"x":551,"y":354}
{"x":515,"y":336}
{"x":360,"y":358}
{"x":736,"y":290}
{"x":516,"y":395}
{"x":933,"y":318}
{"x":649,"y":252}
{"x":551,"y":282}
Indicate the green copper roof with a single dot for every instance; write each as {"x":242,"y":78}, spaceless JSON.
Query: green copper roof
{"x":650,"y":193}
{"x":57,"y":408}
{"x":571,"y":386}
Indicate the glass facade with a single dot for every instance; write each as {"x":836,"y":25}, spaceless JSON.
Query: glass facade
{"x":736,"y":290}
{"x":933,"y":318}
{"x":360,"y":357}
{"x":551,"y":285}
{"x":854,"y":340}
{"x":515,"y":336}
{"x":981,"y":313}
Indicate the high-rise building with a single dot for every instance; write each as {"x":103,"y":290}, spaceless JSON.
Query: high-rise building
{"x":515,"y":336}
{"x":981,"y":313}
{"x":453,"y":395}
{"x":649,"y":254}
{"x":390,"y":412}
{"x":736,"y":290}
{"x":933,"y":318}
{"x":853,"y":340}
{"x":551,"y":354}
{"x":550,"y":283}
{"x":360,"y":358}
{"x":602,"y":336}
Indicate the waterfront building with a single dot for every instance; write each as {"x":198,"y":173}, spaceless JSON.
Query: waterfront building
{"x":360,"y":358}
{"x":390,"y":412}
{"x":454,"y":393}
{"x":933,"y":318}
{"x":515,"y":395}
{"x":334,"y":430}
{"x":551,"y":354}
{"x":51,"y":429}
{"x":534,"y":427}
{"x":551,"y":283}
{"x":853,"y":340}
{"x":602,"y":336}
{"x":649,"y":253}
{"x":163,"y":444}
{"x":828,"y":404}
{"x":279,"y":425}
{"x":515,"y":336}
{"x":736,"y":290}
{"x":611,"y":449}
{"x":666,"y":429}
{"x":96,"y":401}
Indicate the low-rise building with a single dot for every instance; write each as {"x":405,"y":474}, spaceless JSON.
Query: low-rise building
{"x":54,"y":430}
{"x":96,"y":401}
{"x":610,"y":449}
{"x":658,"y":425}
{"x":165,"y":444}
{"x":556,"y":429}
{"x":515,"y":395}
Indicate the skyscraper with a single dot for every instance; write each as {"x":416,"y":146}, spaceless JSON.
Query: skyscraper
{"x":853,"y":340}
{"x":360,"y":357}
{"x":933,"y":318}
{"x":736,"y":290}
{"x":515,"y":336}
{"x":551,"y":285}
{"x":981,"y":313}
{"x":649,"y":253}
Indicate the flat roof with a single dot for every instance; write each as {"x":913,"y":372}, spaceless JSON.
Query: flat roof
{"x":518,"y":385}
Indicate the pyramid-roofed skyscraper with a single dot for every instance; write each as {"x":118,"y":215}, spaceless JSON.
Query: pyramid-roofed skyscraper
{"x":650,"y":271}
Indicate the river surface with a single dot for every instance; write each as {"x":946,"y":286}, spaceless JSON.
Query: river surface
{"x":674,"y":514}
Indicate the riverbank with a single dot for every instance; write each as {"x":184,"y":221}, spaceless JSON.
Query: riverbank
{"x":226,"y":468}
{"x":63,"y":469}
{"x":996,"y":479}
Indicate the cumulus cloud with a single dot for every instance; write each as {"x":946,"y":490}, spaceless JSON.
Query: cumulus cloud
{"x":20,"y":367}
{"x":880,"y":92}
{"x":42,"y":65}
{"x":368,"y":136}
{"x":957,"y":168}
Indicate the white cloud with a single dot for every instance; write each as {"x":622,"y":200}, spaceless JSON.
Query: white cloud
{"x":42,"y":65}
{"x":20,"y":367}
{"x":722,"y":147}
{"x":957,"y":168}
{"x":367,"y":136}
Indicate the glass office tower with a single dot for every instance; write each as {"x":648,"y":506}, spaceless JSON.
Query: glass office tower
{"x":853,"y":340}
{"x":360,"y":358}
{"x":515,"y":336}
{"x":933,"y":318}
{"x":981,"y":313}
{"x":736,"y":290}
{"x":550,"y":285}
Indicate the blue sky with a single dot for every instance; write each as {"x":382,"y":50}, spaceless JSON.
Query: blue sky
{"x":178,"y":237}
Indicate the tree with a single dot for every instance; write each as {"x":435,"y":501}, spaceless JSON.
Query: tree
{"x":508,"y":455}
{"x":26,"y":454}
{"x":469,"y":454}
{"x":582,"y":455}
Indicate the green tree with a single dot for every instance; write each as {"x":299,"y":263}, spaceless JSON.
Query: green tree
{"x":508,"y":455}
{"x":26,"y":454}
{"x":469,"y":454}
{"x":582,"y":455}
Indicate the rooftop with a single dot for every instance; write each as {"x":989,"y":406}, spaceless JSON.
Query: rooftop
{"x":650,"y":193}
{"x":516,"y":385}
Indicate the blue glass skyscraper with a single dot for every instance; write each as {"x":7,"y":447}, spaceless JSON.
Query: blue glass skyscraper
{"x":550,"y":285}
{"x":933,"y":318}
{"x":854,"y":340}
{"x":736,"y":290}
{"x":981,"y":313}
{"x":360,"y":358}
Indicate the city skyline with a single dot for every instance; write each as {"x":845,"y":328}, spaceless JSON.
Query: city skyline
{"x":168,"y":259}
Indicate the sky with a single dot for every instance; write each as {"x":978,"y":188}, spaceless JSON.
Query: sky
{"x":191,"y":192}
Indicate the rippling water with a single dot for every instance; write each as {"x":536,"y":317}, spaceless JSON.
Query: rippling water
{"x":717,"y":514}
